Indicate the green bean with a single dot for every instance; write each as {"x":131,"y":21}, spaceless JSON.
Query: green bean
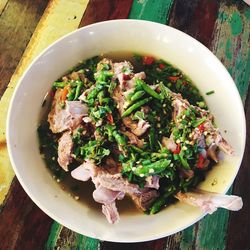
{"x":59,"y":84}
{"x":183,"y":160}
{"x":78,"y":89}
{"x":161,"y":201}
{"x":71,"y":95}
{"x":137,"y":95}
{"x":136,"y":106}
{"x":196,"y":123}
{"x":94,"y":92}
{"x":153,"y":168}
{"x":119,"y":138}
{"x":138,"y":150}
{"x":152,"y":138}
{"x":148,"y":89}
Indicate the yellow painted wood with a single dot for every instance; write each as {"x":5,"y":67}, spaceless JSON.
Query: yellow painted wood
{"x":2,"y":5}
{"x":59,"y":18}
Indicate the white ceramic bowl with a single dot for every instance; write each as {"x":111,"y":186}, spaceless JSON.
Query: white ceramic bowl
{"x":162,"y":41}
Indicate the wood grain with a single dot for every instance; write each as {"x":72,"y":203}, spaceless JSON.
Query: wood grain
{"x":151,"y":10}
{"x":3,"y":4}
{"x":211,"y":232}
{"x":58,"y":19}
{"x":26,"y":227}
{"x":15,"y":33}
{"x":102,"y":10}
{"x":239,"y":223}
{"x":196,"y":18}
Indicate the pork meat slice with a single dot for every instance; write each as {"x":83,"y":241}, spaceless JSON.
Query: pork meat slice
{"x":169,"y":143}
{"x":145,"y":198}
{"x":85,"y":171}
{"x":209,"y":202}
{"x":133,"y":139}
{"x":67,"y":118}
{"x":106,"y":196}
{"x":112,"y":186}
{"x":65,"y":146}
{"x":137,"y":128}
{"x":115,"y":182}
{"x":152,"y":182}
{"x":111,"y":213}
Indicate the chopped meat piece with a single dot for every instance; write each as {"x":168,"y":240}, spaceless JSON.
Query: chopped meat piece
{"x":145,"y":198}
{"x":113,"y":186}
{"x":142,"y":127}
{"x":211,"y":152}
{"x":68,"y":118}
{"x":169,"y":143}
{"x":134,"y":139}
{"x":209,"y":202}
{"x":213,"y":134}
{"x":65,"y":145}
{"x":85,"y":171}
{"x":185,"y":173}
{"x":111,"y":166}
{"x":111,"y":213}
{"x":152,"y":182}
{"x":106,"y":196}
{"x":136,"y":128}
{"x":115,"y":182}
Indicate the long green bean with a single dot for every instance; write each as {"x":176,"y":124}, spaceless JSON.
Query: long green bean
{"x":148,"y":89}
{"x":136,"y":106}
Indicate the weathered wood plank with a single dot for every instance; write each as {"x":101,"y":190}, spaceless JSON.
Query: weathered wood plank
{"x":151,"y":10}
{"x":211,"y":232}
{"x":239,"y":223}
{"x":231,"y":42}
{"x":3,"y":3}
{"x":149,"y":245}
{"x":15,"y":33}
{"x":59,"y":19}
{"x":26,"y":227}
{"x":196,"y":18}
{"x":98,"y":11}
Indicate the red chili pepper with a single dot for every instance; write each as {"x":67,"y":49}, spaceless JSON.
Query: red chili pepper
{"x":148,"y":60}
{"x":173,"y":78}
{"x":201,"y":127}
{"x":161,"y":66}
{"x":200,"y":162}
{"x":177,"y":150}
{"x":65,"y":93}
{"x":110,"y":118}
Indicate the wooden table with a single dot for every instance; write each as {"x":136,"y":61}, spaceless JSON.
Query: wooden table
{"x":28,"y":26}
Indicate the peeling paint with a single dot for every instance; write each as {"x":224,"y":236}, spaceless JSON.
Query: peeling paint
{"x":228,"y":49}
{"x":236,"y":24}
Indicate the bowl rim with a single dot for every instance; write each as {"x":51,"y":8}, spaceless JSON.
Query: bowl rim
{"x":37,"y":58}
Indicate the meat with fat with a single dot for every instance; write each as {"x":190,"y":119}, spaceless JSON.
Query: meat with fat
{"x":209,"y":202}
{"x":65,"y":146}
{"x":68,"y":117}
